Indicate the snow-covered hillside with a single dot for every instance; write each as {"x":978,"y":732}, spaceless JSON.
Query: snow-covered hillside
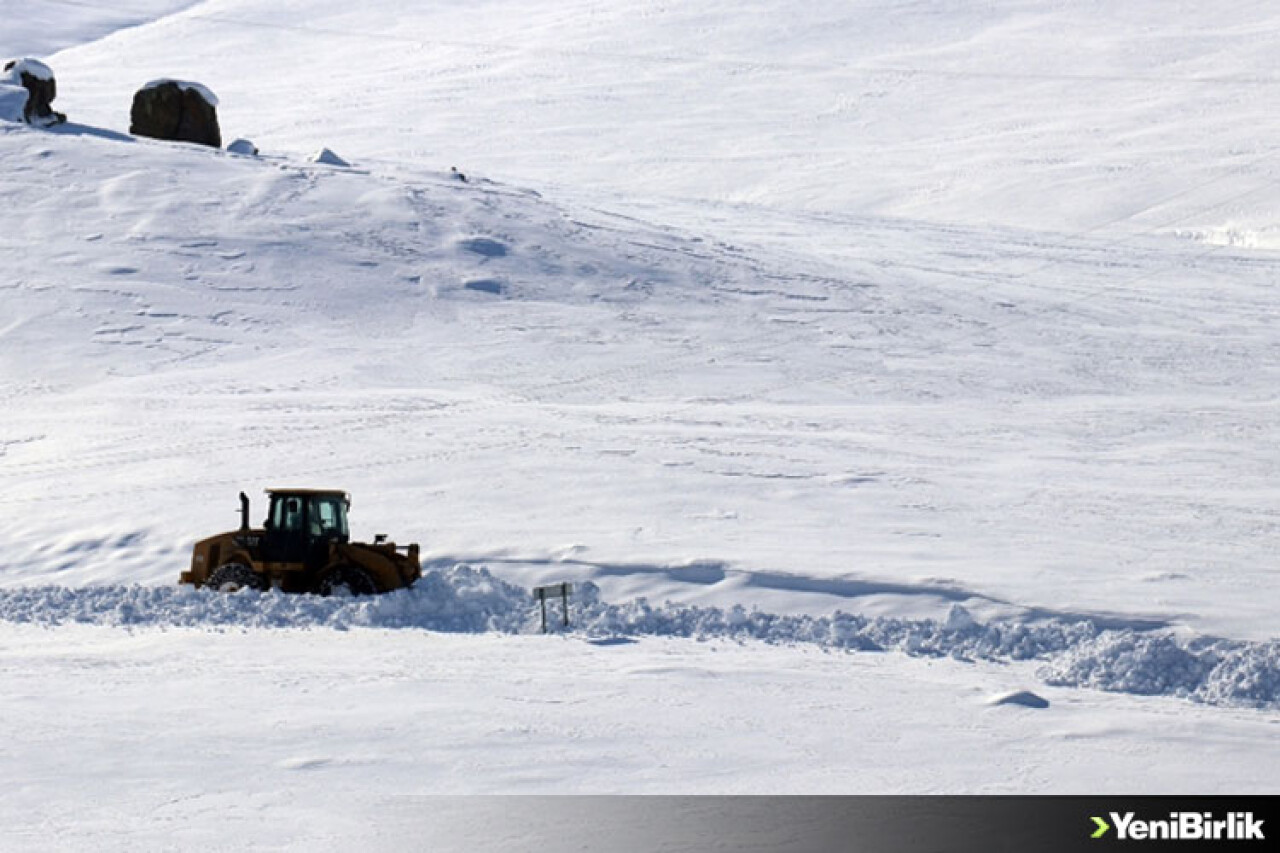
{"x":943,"y":331}
{"x":1072,"y":117}
{"x":499,"y":375}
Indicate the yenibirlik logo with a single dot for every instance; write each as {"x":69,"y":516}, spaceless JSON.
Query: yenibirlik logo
{"x":1181,"y":826}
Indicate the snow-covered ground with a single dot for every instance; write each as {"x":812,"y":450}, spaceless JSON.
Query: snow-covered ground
{"x":192,"y":739}
{"x":868,"y":362}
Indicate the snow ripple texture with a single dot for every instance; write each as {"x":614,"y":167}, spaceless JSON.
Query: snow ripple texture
{"x":465,"y":599}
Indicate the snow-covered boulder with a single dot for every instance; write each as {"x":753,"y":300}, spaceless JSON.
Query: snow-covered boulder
{"x":176,"y":110}
{"x":243,"y":146}
{"x":41,"y":87}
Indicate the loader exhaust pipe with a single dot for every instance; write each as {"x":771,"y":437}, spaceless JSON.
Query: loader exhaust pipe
{"x":244,"y":511}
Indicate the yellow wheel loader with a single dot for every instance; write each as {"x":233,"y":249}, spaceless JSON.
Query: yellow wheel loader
{"x":303,"y":546}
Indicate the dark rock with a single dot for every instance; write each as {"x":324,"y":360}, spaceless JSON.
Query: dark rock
{"x":182,"y":112}
{"x":34,"y":76}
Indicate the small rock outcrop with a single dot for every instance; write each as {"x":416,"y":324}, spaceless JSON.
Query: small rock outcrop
{"x":178,"y":111}
{"x":37,"y":78}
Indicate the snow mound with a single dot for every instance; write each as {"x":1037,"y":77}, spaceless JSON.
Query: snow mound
{"x":13,"y":100}
{"x":466,"y":599}
{"x":1025,"y":698}
{"x":1217,"y":672}
{"x":462,"y":599}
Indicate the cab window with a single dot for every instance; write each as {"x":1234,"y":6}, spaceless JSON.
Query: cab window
{"x":329,"y":516}
{"x":286,"y":514}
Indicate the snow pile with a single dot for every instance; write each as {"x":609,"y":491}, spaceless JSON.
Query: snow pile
{"x":461,"y":599}
{"x":13,"y":100}
{"x":1133,"y":663}
{"x":919,"y":637}
{"x":1247,"y":674}
{"x":1216,"y":672}
{"x":465,"y":599}
{"x":1076,"y":653}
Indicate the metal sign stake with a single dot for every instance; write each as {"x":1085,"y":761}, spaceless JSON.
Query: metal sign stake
{"x":559,"y":589}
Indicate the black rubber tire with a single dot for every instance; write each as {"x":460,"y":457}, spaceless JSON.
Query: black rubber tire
{"x":233,"y":577}
{"x":346,"y":580}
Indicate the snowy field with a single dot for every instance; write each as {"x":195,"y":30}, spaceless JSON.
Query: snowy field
{"x":863,"y":365}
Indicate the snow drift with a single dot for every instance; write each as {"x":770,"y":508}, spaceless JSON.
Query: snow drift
{"x":469,"y":599}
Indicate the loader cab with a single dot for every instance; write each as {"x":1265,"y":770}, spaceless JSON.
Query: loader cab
{"x":301,"y":524}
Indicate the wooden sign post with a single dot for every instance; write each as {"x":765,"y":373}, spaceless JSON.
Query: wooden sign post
{"x":562,"y":590}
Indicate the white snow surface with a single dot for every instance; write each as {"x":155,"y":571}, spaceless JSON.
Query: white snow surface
{"x":858,"y":363}
{"x":41,"y":29}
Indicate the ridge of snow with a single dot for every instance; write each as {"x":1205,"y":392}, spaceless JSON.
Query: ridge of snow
{"x":467,"y":599}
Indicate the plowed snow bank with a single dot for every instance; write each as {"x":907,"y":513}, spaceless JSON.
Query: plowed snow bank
{"x":465,"y":599}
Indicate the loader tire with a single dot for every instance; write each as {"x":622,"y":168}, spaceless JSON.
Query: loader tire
{"x":233,"y":577}
{"x":346,"y":580}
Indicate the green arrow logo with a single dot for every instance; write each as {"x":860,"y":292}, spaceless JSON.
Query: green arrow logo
{"x":1102,"y":828}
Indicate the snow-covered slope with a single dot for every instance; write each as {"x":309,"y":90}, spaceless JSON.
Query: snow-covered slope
{"x":1070,"y":116}
{"x":910,"y":311}
{"x":497,"y":375}
{"x":37,"y":29}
